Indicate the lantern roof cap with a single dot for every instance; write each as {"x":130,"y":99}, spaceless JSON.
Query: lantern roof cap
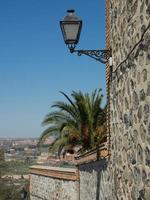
{"x":71,"y":16}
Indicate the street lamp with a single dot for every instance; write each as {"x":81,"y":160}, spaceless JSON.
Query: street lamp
{"x":71,"y":27}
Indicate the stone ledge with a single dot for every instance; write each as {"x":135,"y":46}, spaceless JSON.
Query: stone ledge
{"x":55,"y":172}
{"x":95,"y":154}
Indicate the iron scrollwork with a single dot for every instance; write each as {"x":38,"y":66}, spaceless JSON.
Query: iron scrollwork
{"x":99,"y":55}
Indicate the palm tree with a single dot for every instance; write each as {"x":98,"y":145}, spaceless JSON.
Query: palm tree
{"x":79,"y":122}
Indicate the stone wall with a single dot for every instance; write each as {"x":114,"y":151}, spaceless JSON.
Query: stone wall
{"x":125,"y":175}
{"x":92,"y":180}
{"x":49,"y":183}
{"x":130,"y":99}
{"x":95,"y":182}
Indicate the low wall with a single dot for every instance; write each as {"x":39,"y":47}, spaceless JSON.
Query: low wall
{"x":53,"y":183}
{"x":89,"y":182}
{"x":94,"y":181}
{"x":94,"y":172}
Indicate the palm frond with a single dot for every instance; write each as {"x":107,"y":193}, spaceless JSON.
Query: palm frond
{"x":70,"y":101}
{"x":66,"y":108}
{"x":50,"y":131}
{"x":55,"y":117}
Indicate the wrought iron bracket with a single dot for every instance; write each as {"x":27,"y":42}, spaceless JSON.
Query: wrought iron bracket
{"x":99,"y":55}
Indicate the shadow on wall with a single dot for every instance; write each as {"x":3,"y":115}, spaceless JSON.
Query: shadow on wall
{"x":97,"y":167}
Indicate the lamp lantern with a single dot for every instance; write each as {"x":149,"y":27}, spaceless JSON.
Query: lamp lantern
{"x":71,"y":27}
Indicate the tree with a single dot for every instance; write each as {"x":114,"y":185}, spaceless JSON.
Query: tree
{"x":11,"y":189}
{"x":2,"y":156}
{"x":79,"y":122}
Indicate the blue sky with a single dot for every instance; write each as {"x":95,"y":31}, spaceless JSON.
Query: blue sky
{"x":35,"y":64}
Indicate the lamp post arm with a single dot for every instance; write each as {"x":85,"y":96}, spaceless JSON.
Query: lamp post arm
{"x":99,"y":55}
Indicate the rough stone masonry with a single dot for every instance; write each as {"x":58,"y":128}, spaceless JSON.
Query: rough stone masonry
{"x":127,"y":174}
{"x":130,"y":99}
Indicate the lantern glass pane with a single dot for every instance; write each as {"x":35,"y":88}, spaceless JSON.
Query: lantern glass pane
{"x":71,"y":32}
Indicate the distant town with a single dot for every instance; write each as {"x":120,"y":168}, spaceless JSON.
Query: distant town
{"x":17,"y":155}
{"x":27,"y":150}
{"x":19,"y":149}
